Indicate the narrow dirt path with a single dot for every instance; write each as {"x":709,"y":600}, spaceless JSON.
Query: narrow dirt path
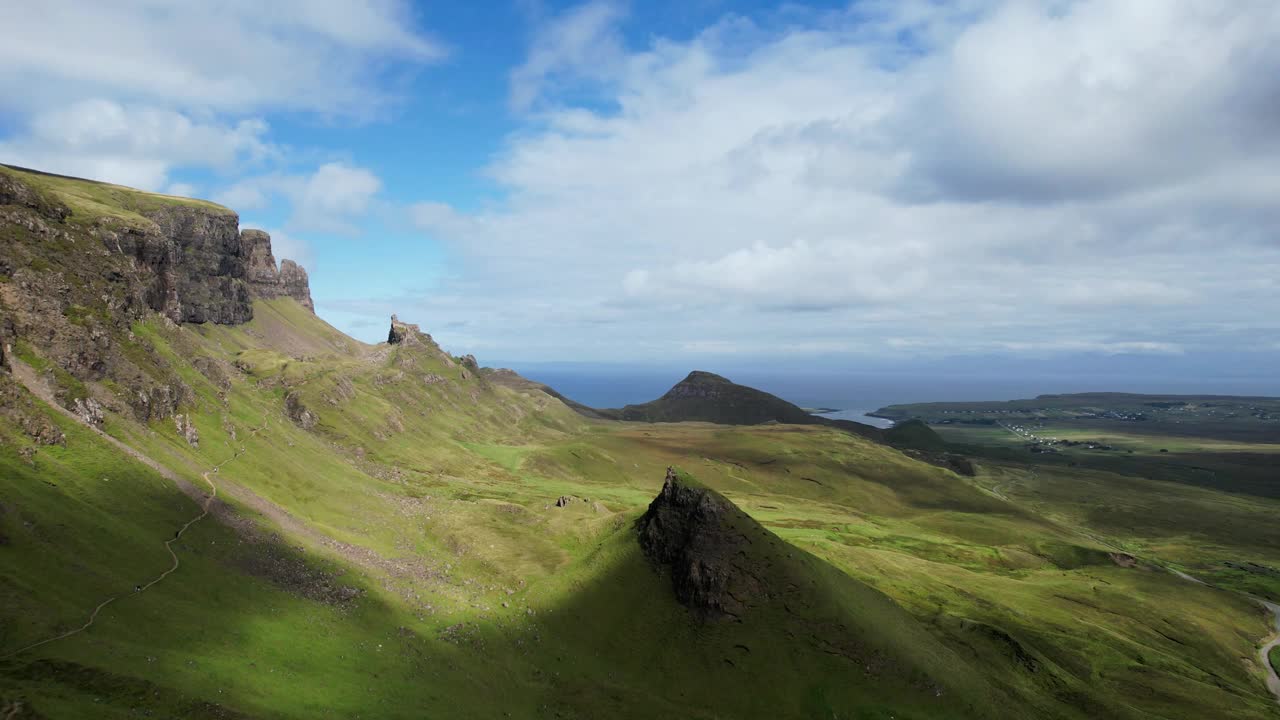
{"x":1273,"y":679}
{"x":33,"y":384}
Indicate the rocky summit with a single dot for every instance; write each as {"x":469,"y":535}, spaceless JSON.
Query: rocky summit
{"x":688,"y":530}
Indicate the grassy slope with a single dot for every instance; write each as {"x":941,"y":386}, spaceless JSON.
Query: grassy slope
{"x":436,"y":499}
{"x":92,"y":200}
{"x":982,"y":570}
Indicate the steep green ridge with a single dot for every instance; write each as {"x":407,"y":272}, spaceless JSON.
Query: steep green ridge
{"x":396,"y":533}
{"x":512,"y":379}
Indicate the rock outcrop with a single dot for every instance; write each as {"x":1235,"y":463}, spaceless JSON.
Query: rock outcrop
{"x":298,"y":412}
{"x":402,"y":332}
{"x":693,"y":532}
{"x":89,"y":411}
{"x":265,"y":279}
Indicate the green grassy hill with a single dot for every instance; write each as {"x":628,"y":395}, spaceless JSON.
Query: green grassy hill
{"x":398,"y":534}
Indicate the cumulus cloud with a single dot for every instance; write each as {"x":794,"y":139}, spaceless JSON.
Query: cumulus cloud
{"x":979,"y":176}
{"x":235,"y":56}
{"x":132,"y":91}
{"x":1101,"y":98}
{"x":329,"y":199}
{"x":134,"y":145}
{"x":336,"y":190}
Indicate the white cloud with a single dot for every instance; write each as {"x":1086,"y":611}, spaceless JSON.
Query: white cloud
{"x":1101,"y":97}
{"x":1086,"y":177}
{"x":1119,"y":347}
{"x":238,"y":56}
{"x":329,"y":199}
{"x":131,"y":91}
{"x":132,"y":145}
{"x":286,"y":246}
{"x":246,"y":195}
{"x":582,"y":45}
{"x":336,"y":191}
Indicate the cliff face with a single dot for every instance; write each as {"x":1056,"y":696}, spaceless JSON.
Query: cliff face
{"x":197,"y":266}
{"x":81,"y":261}
{"x":193,"y":263}
{"x":204,"y":269}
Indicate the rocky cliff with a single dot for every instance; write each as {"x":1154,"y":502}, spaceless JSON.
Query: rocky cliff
{"x":264,"y":279}
{"x":193,"y":262}
{"x":82,"y":262}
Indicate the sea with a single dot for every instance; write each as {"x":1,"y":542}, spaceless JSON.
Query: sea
{"x":854,"y":394}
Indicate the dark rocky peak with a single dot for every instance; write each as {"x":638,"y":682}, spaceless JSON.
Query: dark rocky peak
{"x":704,"y":542}
{"x":699,"y":384}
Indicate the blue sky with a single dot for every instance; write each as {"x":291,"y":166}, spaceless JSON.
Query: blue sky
{"x":981,"y":183}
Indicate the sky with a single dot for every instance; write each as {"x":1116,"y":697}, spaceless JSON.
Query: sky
{"x":1008,"y":186}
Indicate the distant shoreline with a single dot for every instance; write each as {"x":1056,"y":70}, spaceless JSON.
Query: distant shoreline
{"x":860,"y":416}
